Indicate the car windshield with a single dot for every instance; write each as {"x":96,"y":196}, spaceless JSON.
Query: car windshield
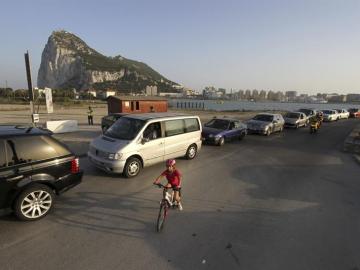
{"x":292,"y":115}
{"x":125,"y":128}
{"x":264,"y":117}
{"x":353,"y":110}
{"x":306,"y":111}
{"x":328,"y":112}
{"x":218,"y":124}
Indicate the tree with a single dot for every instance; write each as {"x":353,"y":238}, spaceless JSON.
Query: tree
{"x":6,"y":92}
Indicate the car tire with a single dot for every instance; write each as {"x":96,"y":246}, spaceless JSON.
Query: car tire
{"x":242,"y":136}
{"x":191,"y":152}
{"x":132,"y":167}
{"x":221,"y":141}
{"x":34,"y":203}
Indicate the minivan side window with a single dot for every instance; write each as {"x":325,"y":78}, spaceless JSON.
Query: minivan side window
{"x":174,"y":127}
{"x":2,"y":154}
{"x":191,"y":124}
{"x":152,"y":131}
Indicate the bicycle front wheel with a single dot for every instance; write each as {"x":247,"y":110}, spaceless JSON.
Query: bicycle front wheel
{"x":161,"y":217}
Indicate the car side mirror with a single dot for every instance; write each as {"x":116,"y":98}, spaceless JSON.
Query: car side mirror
{"x":274,"y":122}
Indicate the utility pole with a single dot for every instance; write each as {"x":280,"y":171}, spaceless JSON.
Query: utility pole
{"x":30,"y":88}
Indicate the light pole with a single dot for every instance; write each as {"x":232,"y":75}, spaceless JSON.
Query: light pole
{"x":30,"y":88}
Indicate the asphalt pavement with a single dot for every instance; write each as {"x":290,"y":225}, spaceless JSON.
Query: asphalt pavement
{"x":287,"y":201}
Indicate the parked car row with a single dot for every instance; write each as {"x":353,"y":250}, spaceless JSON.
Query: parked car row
{"x":34,"y":166}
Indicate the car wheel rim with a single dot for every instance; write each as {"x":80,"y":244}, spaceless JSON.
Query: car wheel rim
{"x":192,"y":152}
{"x":36,"y":204}
{"x":133,"y":168}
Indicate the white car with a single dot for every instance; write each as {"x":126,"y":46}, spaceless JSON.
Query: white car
{"x":343,"y":114}
{"x":330,"y":115}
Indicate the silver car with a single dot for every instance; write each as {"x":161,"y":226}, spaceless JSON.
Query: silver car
{"x":295,"y":120}
{"x":266,"y":123}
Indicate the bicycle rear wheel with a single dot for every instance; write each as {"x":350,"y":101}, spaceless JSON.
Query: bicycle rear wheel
{"x":161,"y":218}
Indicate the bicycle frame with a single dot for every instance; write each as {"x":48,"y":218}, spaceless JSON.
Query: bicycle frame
{"x":166,"y":203}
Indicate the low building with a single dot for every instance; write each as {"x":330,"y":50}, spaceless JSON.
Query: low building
{"x":151,"y":90}
{"x":167,"y":94}
{"x":105,"y":94}
{"x":136,"y":104}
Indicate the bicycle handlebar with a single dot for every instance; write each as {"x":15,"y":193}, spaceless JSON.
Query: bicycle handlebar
{"x":162,"y":186}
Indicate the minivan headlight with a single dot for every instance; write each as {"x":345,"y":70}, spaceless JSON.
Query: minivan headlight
{"x":115,"y":156}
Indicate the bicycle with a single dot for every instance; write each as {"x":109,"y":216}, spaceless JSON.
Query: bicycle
{"x":166,"y":203}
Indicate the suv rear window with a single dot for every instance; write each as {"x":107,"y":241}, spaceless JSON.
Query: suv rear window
{"x":33,"y":148}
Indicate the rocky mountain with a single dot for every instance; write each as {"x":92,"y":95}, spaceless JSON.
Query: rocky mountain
{"x":68,"y":62}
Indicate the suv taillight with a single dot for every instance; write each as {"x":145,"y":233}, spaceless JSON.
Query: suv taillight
{"x":75,"y":165}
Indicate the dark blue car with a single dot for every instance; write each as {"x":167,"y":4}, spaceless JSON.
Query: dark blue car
{"x":219,"y":130}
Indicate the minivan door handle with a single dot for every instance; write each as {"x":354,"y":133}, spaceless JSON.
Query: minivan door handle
{"x":15,"y":178}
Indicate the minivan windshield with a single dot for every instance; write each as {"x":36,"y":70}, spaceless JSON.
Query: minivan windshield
{"x":125,"y":128}
{"x":264,"y":117}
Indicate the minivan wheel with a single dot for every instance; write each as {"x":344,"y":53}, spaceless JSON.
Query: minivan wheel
{"x":132,"y":167}
{"x":34,"y":202}
{"x":191,"y":151}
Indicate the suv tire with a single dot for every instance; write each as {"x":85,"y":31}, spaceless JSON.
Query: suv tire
{"x":34,"y":203}
{"x":132,"y":167}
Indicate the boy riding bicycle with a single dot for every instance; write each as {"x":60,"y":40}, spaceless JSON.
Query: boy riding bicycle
{"x":173,"y":177}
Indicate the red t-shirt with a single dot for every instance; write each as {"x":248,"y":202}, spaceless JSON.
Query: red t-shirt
{"x":172,"y":177}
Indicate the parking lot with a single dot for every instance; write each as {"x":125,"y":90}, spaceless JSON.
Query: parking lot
{"x":287,"y":201}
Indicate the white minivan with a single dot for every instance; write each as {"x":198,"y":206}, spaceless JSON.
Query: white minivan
{"x":140,"y":140}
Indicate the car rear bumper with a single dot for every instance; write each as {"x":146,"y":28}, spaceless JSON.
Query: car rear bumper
{"x":67,"y":182}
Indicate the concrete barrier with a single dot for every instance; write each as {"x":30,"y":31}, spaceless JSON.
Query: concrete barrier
{"x":62,"y":126}
{"x":352,"y":142}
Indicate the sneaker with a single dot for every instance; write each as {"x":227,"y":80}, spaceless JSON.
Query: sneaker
{"x":180,"y":206}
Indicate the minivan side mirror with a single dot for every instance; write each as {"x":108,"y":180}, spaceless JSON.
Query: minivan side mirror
{"x":144,"y":140}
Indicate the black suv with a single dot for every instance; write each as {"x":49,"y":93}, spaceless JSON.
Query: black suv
{"x":33,"y":167}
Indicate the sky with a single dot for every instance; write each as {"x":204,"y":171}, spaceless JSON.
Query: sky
{"x":309,"y":46}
